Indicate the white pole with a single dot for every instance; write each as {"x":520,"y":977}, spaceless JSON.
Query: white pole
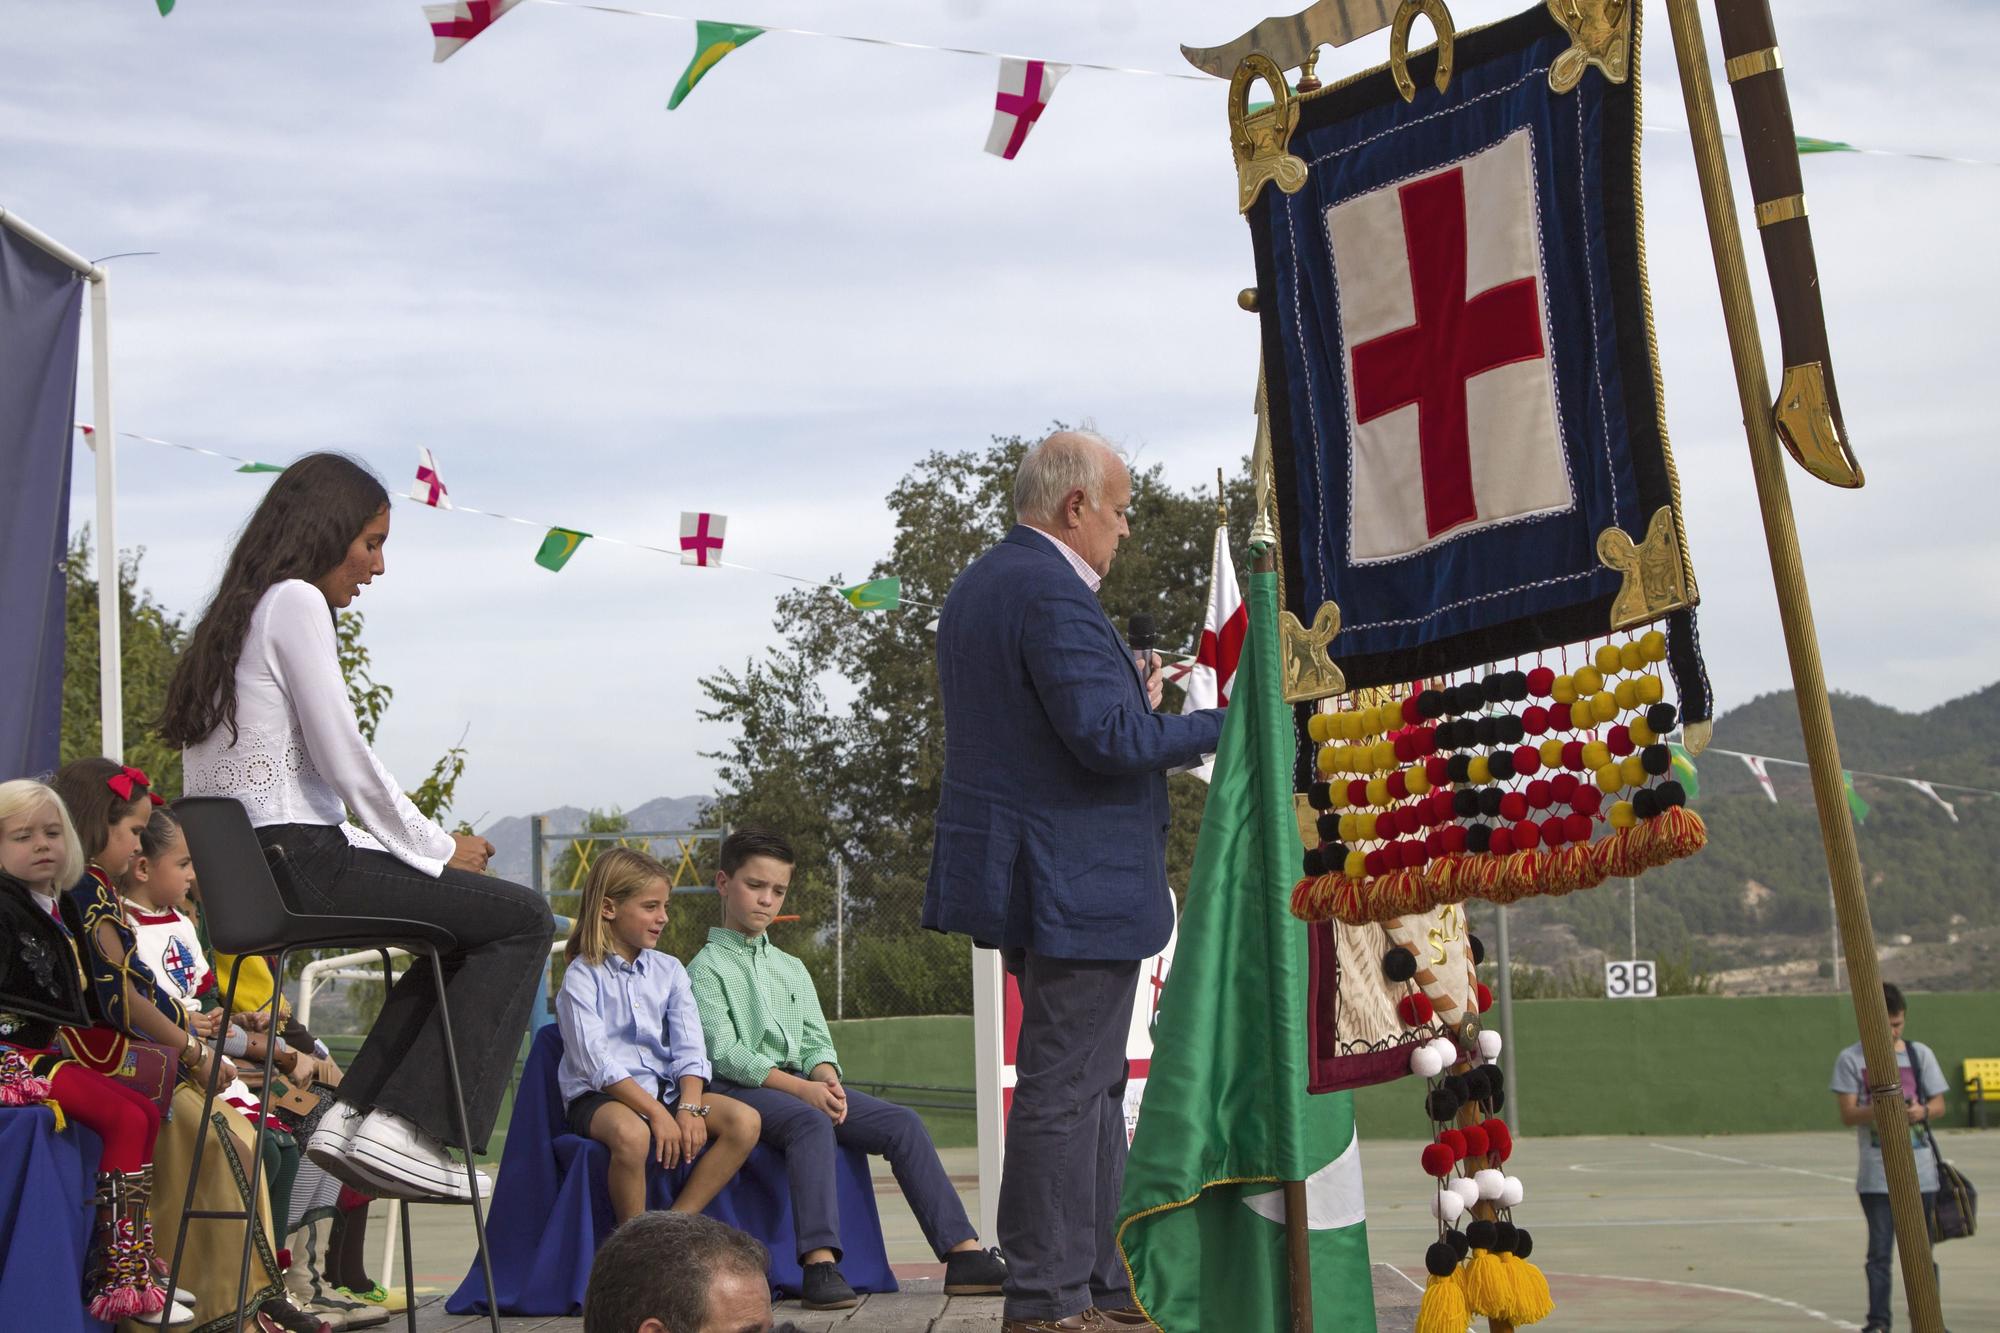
{"x":1632,"y":887}
{"x":989,"y":997}
{"x":110,"y":659}
{"x":839,"y":938}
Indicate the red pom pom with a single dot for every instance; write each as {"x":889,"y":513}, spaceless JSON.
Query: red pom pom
{"x":1513,"y":806}
{"x":1438,"y":769}
{"x":1541,"y":681}
{"x":1527,"y":759}
{"x":1577,"y":827}
{"x":1411,"y":817}
{"x":1399,"y":786}
{"x":1485,"y":994}
{"x":1427,"y":739}
{"x":1552,"y":831}
{"x":1454,"y":838}
{"x":1560,"y":719}
{"x":1434,"y":842}
{"x":1475,"y":1141}
{"x":1357,"y":792}
{"x":1563,"y":786}
{"x":1526,"y":835}
{"x":1454,"y":1139}
{"x":1410,"y":854}
{"x":1503,"y":842}
{"x":1410,"y":714}
{"x":1437,"y":1160}
{"x":1586,"y":799}
{"x":1405,"y":747}
{"x":1619,"y":740}
{"x":1541,"y":794}
{"x":1427,"y":814}
{"x":1377,"y":862}
{"x":1415,"y":1009}
{"x":1534,"y":719}
{"x":1573,"y":756}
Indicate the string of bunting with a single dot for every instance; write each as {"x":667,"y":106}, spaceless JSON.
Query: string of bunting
{"x":1758,"y":764}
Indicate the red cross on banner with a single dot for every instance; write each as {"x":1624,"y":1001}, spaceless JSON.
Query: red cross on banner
{"x":430,"y":486}
{"x":1449,"y":375}
{"x":701,"y":538}
{"x":455,"y":24}
{"x":1025,"y":89}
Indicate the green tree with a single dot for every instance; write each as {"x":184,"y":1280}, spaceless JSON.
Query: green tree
{"x":150,"y":640}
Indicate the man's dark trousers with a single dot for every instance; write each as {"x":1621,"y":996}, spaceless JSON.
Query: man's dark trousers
{"x":1066,"y":1139}
{"x":808,"y":1137}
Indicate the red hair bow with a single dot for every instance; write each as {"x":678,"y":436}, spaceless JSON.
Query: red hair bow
{"x":121,"y":784}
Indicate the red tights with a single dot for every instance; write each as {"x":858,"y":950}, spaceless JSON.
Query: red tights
{"x":127,"y":1121}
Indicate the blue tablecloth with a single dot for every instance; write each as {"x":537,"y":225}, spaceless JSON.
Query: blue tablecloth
{"x":45,"y":1220}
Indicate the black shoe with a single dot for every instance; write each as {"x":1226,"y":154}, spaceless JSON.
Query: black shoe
{"x":974,"y":1273}
{"x":280,"y":1314}
{"x":826,"y":1289}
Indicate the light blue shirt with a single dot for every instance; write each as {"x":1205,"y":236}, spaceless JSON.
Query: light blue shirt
{"x":632,"y":1020}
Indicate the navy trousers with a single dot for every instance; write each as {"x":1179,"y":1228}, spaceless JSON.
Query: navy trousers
{"x":1066,"y":1139}
{"x":807,"y":1138}
{"x":1881,"y":1246}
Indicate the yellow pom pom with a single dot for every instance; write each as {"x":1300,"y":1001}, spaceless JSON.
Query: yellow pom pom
{"x":1596,"y":754}
{"x":1479,"y":770}
{"x":1651,"y":690}
{"x":1347,"y":726}
{"x":1622,"y":815}
{"x":1627,"y":695}
{"x":1357,"y":865}
{"x":1642,"y":734}
{"x":1564,"y":690}
{"x":1350,"y":828}
{"x":1326,"y":760}
{"x":1383,"y":717}
{"x":1609,"y":779}
{"x":1603,"y":706}
{"x":1607,"y":659}
{"x":1552,"y":753}
{"x":1378,"y":792}
{"x":1654,"y":646}
{"x":1384,"y":756}
{"x":1316,"y":726}
{"x":1416,"y":781}
{"x":1364,"y":826}
{"x":1630,"y":657}
{"x":1587,"y":681}
{"x":1633,"y":771}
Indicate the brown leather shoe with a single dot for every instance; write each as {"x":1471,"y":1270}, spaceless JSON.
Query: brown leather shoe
{"x":1087,"y":1322}
{"x":1126,"y":1318}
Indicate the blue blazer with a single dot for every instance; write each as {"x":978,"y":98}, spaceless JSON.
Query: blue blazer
{"x":1052,"y":823}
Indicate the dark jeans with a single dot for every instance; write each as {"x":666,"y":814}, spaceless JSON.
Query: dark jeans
{"x":1882,"y":1244}
{"x":807,"y":1138}
{"x":503,"y":933}
{"x":1066,"y":1139}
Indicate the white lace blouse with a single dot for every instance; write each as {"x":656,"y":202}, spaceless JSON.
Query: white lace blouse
{"x":299,"y":757}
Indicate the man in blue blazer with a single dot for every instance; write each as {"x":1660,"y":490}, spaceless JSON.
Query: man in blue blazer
{"x":1051,"y":845}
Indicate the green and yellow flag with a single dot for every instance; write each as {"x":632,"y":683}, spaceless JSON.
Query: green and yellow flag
{"x":1808,"y":144}
{"x":712,"y":41}
{"x":876,"y":594}
{"x":1227,"y":1117}
{"x":261,"y":467}
{"x":1858,"y":807}
{"x":558,"y":547}
{"x":1683,"y":769}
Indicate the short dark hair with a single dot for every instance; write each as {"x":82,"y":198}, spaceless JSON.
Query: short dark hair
{"x":744,"y":843}
{"x":1892,"y":996}
{"x":85,"y":787}
{"x":660,"y":1265}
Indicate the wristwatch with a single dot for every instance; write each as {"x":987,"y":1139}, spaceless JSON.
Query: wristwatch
{"x":699,"y":1112}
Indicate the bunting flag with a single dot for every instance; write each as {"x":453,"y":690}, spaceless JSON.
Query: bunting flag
{"x":1025,"y":89}
{"x":430,"y":486}
{"x":1763,"y":774}
{"x":1807,"y":144}
{"x":261,"y":467}
{"x":1855,"y":804}
{"x":166,"y":7}
{"x":456,"y":23}
{"x":1931,"y":792}
{"x":1213,"y":671}
{"x":1684,"y":771}
{"x":712,"y":41}
{"x":701,"y":538}
{"x":558,"y":547}
{"x":876,"y":594}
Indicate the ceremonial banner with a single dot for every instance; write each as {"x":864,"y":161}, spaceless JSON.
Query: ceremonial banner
{"x":40,"y":304}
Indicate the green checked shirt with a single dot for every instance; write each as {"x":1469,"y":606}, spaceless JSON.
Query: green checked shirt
{"x":759,"y":1010}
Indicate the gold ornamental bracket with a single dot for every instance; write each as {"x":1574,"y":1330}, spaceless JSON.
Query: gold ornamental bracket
{"x":1309,"y":672}
{"x":1804,"y":416}
{"x":1600,"y":34}
{"x":1655,"y":575}
{"x":1291,"y":41}
{"x":1399,"y":45}
{"x":1261,"y":139}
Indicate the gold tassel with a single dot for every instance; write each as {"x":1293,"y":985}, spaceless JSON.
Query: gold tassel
{"x":1534,"y":1301}
{"x":1443,"y":1310}
{"x":1486,"y":1290}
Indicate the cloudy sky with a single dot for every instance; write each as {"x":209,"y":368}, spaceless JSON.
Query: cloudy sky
{"x":770,"y":302}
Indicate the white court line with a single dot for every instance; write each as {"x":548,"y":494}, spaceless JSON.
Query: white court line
{"x":1793,"y":1170}
{"x":1780,"y":1301}
{"x":1401,"y":1274}
{"x":1641,"y":1222}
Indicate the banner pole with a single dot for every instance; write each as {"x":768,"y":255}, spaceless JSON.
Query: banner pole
{"x":110,"y":655}
{"x":1767,"y":465}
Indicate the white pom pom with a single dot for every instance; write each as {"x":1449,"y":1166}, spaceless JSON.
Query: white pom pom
{"x":1511,"y":1192}
{"x":1466,"y":1192}
{"x":1489,"y":1044}
{"x":1489,"y":1182}
{"x":1447,"y":1050}
{"x":1426,"y":1063}
{"x":1447,"y":1207}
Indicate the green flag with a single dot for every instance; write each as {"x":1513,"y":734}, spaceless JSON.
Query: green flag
{"x":1683,"y":769}
{"x":1855,"y":804}
{"x":166,"y":7}
{"x":1809,"y":145}
{"x":712,"y":41}
{"x":1227,"y":1116}
{"x":261,"y":467}
{"x":876,"y":594}
{"x":558,"y":547}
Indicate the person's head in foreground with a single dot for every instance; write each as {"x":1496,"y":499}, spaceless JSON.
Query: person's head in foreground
{"x":752,"y":878}
{"x":678,"y":1273}
{"x":1075,"y":487}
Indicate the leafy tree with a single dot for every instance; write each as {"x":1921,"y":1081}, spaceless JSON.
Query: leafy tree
{"x":150,"y":639}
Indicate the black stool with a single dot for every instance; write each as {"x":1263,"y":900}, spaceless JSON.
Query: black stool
{"x":248,"y":910}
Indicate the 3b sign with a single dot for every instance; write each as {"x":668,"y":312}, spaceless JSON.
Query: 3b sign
{"x":1631,"y":980}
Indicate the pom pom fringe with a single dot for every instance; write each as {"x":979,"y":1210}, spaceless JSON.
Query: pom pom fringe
{"x":1443,"y":1310}
{"x":1487,"y":1290}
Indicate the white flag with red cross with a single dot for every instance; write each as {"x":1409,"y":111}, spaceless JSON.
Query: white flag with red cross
{"x":1450,"y":387}
{"x":455,"y":24}
{"x":1762,"y":774}
{"x":430,"y":486}
{"x":701,"y":538}
{"x":1025,"y":89}
{"x":1213,"y":671}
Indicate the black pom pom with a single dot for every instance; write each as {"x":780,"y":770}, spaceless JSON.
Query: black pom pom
{"x":1440,"y":1259}
{"x":1500,"y":764}
{"x":1496,"y":1101}
{"x":1459,"y":767}
{"x":1489,"y":801}
{"x":1672,"y":794}
{"x":1661,"y":718}
{"x":1399,"y":964}
{"x":1646,"y":803}
{"x":1329,"y":826}
{"x":1510,"y":729}
{"x":1468,"y":697}
{"x":1656,"y":759}
{"x":1459,"y":1244}
{"x":1517,"y":686}
{"x":1320,"y":796}
{"x":1496,"y":1084}
{"x":1480,"y":1235}
{"x":1457,"y":1086}
{"x":1430,"y":703}
{"x":1493,"y":689}
{"x":1465,"y":803}
{"x":1473,"y":943}
{"x":1505,"y":1236}
{"x":1482,"y":731}
{"x":1334,"y":852}
{"x":1524,"y":1244}
{"x":1442,"y":1104}
{"x":1479,"y":838}
{"x":1315,"y":863}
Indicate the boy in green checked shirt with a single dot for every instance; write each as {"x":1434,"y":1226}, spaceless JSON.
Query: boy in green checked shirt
{"x":768,"y":1041}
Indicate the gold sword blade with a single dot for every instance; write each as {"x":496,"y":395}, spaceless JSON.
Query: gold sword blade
{"x":1288,"y":39}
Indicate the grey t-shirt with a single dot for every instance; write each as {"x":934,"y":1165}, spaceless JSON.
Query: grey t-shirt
{"x":1921,"y":1082}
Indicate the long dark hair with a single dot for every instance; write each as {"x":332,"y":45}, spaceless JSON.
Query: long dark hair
{"x":85,"y":788}
{"x":301,"y":530}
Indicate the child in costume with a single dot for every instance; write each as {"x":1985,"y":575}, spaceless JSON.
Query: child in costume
{"x":41,"y":990}
{"x":634,"y":1074}
{"x":768,"y":1038}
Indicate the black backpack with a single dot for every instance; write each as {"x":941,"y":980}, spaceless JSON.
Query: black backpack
{"x":1956,"y":1214}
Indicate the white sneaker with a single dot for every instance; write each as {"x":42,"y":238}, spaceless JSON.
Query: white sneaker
{"x":173,"y":1316}
{"x":331,"y":1149}
{"x":410,"y":1162}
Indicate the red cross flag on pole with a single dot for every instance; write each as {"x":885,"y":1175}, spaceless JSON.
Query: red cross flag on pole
{"x":1442,"y":310}
{"x":455,"y":24}
{"x":430,"y":486}
{"x":701,"y":538}
{"x":1213,"y":670}
{"x":1025,"y":89}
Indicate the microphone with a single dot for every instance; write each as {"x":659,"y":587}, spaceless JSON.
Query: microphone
{"x":1143,"y":636}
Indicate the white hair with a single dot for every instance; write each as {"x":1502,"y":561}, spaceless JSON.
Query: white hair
{"x":25,"y":796}
{"x":1068,"y":460}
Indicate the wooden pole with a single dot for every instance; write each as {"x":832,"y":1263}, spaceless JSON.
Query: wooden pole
{"x":1468,"y":1116}
{"x":1298,"y":1256}
{"x":1808,"y":681}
